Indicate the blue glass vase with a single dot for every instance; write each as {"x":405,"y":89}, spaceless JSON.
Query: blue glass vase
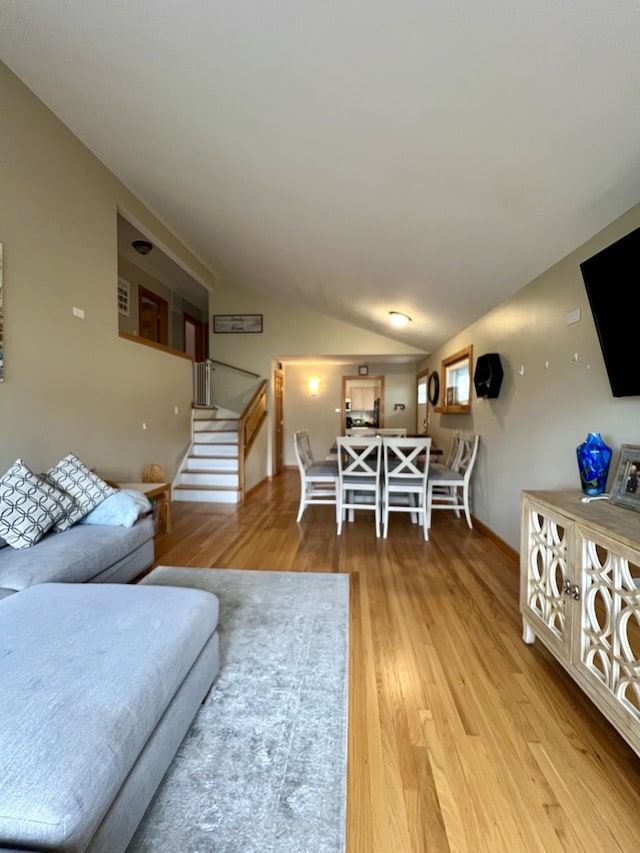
{"x":594,"y":458}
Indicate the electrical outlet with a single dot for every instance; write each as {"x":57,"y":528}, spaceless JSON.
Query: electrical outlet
{"x":78,"y":312}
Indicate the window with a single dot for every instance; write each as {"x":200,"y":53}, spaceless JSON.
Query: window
{"x":124,"y":292}
{"x":456,"y":382}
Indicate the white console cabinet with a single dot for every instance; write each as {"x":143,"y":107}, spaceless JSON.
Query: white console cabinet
{"x":579,"y":595}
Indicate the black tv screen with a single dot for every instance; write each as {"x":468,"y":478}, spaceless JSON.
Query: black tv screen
{"x":612,"y":281}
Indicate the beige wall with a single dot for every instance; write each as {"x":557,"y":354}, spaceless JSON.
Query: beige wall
{"x":529,"y":434}
{"x":73,"y":384}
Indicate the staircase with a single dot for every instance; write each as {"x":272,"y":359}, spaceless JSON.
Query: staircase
{"x":210,"y":471}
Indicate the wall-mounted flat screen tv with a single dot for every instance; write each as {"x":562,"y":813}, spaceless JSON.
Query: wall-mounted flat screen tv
{"x":612,"y":280}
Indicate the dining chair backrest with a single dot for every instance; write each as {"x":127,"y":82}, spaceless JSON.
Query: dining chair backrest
{"x":467,"y":452}
{"x":406,"y":458}
{"x":359,"y":456}
{"x":452,"y":452}
{"x":302,"y":447}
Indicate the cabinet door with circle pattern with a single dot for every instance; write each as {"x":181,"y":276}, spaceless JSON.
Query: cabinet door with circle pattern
{"x":606,"y":650}
{"x":545,"y":555}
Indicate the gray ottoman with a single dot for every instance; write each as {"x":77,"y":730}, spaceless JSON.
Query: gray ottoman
{"x":99,"y":685}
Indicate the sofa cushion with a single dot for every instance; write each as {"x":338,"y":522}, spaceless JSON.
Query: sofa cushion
{"x":78,"y":555}
{"x":121,"y":509}
{"x":92,"y":670}
{"x":29,"y":507}
{"x":87,"y":490}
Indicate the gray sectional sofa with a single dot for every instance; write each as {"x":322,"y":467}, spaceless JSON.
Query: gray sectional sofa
{"x":100,"y":678}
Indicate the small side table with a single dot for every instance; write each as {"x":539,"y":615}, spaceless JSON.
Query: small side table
{"x":161,"y":492}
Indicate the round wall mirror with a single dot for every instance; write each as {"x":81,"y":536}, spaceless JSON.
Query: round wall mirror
{"x":433,"y":388}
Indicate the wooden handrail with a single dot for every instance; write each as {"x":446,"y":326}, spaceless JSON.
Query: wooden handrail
{"x":249,"y":423}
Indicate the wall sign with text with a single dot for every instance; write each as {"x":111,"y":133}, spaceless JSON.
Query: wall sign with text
{"x":232,"y":324}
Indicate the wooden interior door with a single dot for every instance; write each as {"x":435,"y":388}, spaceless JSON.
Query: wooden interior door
{"x":153,"y":316}
{"x":278,"y":405}
{"x":193,"y":337}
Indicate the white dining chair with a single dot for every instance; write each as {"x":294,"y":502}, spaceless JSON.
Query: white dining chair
{"x":359,"y":467}
{"x":318,"y":478}
{"x":405,"y":473}
{"x":451,"y":489}
{"x":446,"y":463}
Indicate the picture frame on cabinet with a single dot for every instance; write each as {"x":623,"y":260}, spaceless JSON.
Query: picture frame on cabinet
{"x":626,"y":485}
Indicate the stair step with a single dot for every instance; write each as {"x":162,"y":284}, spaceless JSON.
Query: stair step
{"x":230,"y":451}
{"x":209,"y":437}
{"x":209,"y":479}
{"x":216,"y":426}
{"x":208,"y":464}
{"x":206,"y":495}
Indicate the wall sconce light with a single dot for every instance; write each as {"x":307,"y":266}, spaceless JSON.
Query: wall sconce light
{"x":396,"y":318}
{"x":314,"y":386}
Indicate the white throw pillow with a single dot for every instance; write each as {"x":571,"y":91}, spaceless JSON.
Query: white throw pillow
{"x":29,"y":507}
{"x":86,"y":489}
{"x":122,"y":509}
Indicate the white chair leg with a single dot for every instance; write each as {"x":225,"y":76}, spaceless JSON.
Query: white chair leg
{"x":301,"y":509}
{"x":466,"y":507}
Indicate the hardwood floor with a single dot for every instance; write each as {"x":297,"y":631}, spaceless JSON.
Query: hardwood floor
{"x":461,"y":737}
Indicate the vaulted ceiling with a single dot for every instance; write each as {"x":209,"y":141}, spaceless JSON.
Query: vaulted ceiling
{"x":356,"y":157}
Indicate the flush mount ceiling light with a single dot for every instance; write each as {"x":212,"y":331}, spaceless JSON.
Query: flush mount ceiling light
{"x":396,"y":318}
{"x":143,"y":247}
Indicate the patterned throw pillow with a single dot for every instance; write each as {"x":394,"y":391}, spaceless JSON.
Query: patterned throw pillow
{"x":86,"y":489}
{"x":28,"y":507}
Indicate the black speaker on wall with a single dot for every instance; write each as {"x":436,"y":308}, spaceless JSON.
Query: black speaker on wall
{"x":487,"y":377}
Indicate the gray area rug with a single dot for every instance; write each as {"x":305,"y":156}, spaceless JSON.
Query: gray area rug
{"x":263,"y":767}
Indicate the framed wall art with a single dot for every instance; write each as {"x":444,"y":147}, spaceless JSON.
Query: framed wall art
{"x":626,"y":486}
{"x":234,"y":324}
